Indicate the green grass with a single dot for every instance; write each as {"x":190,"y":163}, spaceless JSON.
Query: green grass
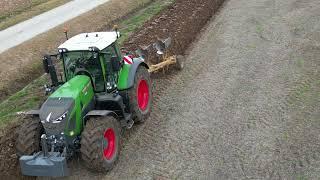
{"x":22,"y":13}
{"x":31,"y":96}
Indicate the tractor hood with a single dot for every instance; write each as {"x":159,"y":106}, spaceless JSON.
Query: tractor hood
{"x":65,"y":103}
{"x":74,"y":87}
{"x":54,"y":114}
{"x":56,"y":109}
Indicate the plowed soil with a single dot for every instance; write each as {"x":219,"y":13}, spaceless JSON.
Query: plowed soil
{"x":8,"y":158}
{"x":182,"y":21}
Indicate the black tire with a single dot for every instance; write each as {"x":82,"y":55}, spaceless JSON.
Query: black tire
{"x":93,"y":143}
{"x":180,"y":62}
{"x":140,"y":115}
{"x":28,"y":136}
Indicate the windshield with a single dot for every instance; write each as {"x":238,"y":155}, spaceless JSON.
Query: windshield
{"x":81,"y":59}
{"x":84,"y":62}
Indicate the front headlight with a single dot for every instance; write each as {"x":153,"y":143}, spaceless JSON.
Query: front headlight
{"x":59,"y":120}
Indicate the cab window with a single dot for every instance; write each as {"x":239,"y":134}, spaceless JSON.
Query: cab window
{"x":84,"y":62}
{"x":108,"y":55}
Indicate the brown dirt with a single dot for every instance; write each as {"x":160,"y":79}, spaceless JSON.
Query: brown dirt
{"x":171,"y":21}
{"x":8,"y":156}
{"x":182,"y":21}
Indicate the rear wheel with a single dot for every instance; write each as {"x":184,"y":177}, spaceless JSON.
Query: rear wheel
{"x":28,"y":136}
{"x":100,"y":143}
{"x":140,"y":95}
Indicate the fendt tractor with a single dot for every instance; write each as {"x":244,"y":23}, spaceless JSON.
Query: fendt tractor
{"x":102,"y":92}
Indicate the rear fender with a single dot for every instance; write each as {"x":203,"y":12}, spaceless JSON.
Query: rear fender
{"x":128,"y":72}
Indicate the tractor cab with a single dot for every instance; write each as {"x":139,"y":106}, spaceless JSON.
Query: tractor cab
{"x":96,"y":55}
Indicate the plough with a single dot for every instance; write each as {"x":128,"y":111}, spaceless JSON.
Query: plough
{"x":165,"y":60}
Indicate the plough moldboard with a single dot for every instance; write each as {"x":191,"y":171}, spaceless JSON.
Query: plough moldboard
{"x":159,"y":49}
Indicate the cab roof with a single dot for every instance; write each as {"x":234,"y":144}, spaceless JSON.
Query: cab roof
{"x":82,"y":42}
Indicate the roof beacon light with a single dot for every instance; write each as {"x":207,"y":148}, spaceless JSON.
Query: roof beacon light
{"x":115,"y":28}
{"x":65,"y":30}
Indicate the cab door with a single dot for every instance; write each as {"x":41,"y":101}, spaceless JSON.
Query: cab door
{"x":111,"y":59}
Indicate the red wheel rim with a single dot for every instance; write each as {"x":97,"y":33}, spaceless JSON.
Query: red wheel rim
{"x":143,"y":95}
{"x":110,"y":144}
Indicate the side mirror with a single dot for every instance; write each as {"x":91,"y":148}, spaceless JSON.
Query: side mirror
{"x":46,"y":63}
{"x":116,"y":64}
{"x":48,"y":67}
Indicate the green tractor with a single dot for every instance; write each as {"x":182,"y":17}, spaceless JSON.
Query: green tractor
{"x":102,"y":92}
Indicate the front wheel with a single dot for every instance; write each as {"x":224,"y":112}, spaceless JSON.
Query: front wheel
{"x":100,"y":143}
{"x":28,"y":136}
{"x":140,"y":95}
